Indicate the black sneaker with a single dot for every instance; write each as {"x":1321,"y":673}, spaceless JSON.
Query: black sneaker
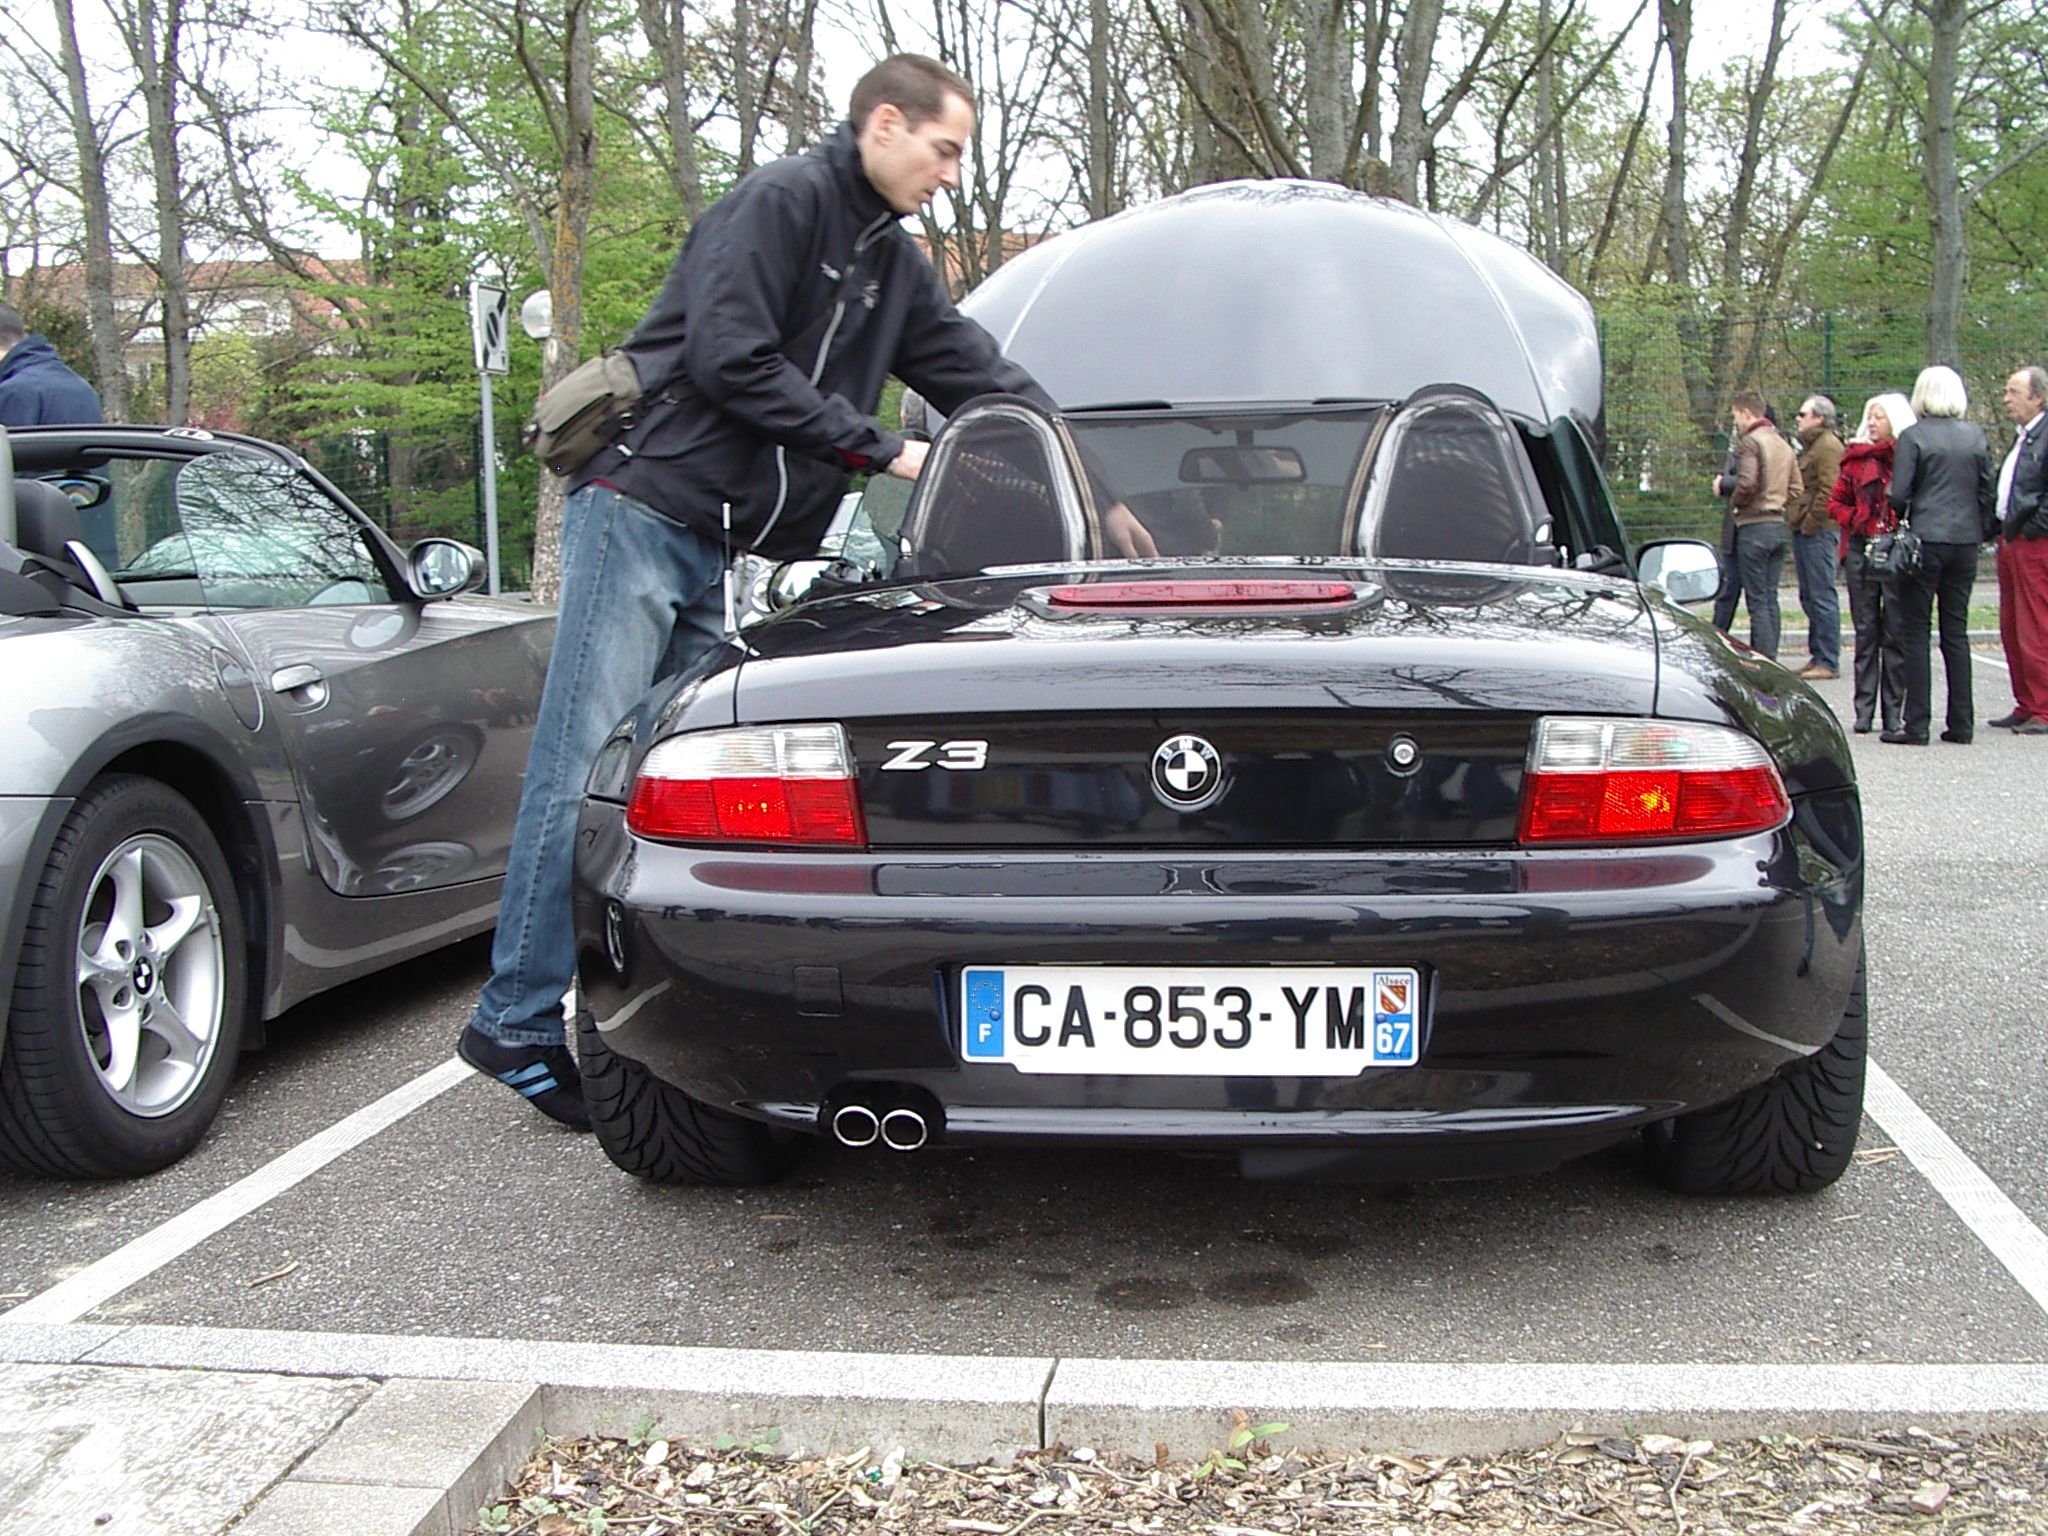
{"x":544,"y":1075}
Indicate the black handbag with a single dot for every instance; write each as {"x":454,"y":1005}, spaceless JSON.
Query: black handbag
{"x":1894,"y":554}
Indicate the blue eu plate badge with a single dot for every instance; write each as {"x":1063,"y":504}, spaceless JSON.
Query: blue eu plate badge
{"x":984,"y":1032}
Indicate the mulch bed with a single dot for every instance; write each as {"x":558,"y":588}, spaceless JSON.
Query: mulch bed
{"x":1256,"y":1484}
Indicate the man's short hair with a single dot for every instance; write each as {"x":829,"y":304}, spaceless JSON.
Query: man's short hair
{"x":914,"y":85}
{"x":1749,"y":400}
{"x":11,"y":328}
{"x":2037,"y":380}
{"x":1821,"y":406}
{"x":1939,"y":392}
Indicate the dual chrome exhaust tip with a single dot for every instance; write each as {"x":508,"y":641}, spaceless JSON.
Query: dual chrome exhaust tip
{"x":899,"y":1127}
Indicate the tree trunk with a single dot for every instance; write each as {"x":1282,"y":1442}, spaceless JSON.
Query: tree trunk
{"x":102,"y":323}
{"x":1413,"y":50}
{"x":1330,"y":106}
{"x":1939,"y":168}
{"x":152,"y":38}
{"x":1674,"y":19}
{"x":1548,"y":200}
{"x":796,"y":105}
{"x":663,"y":22}
{"x":577,"y":189}
{"x":1098,"y":195}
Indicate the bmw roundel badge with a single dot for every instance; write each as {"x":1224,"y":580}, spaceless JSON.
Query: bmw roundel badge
{"x":1186,"y":773}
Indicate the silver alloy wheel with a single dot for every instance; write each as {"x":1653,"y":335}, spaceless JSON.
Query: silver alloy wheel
{"x":151,"y":978}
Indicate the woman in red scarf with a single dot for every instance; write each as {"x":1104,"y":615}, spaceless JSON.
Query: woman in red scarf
{"x":1858,"y":504}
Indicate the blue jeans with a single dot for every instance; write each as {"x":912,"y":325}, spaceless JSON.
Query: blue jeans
{"x":1760,"y":556}
{"x":641,"y":598}
{"x":1813,"y":557}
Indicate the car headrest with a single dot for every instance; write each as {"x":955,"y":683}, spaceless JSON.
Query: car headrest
{"x":46,"y":520}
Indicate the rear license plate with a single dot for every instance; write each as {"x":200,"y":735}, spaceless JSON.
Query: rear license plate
{"x":1237,"y":1021}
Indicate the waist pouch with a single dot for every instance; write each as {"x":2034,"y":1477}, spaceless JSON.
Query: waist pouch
{"x":585,"y":413}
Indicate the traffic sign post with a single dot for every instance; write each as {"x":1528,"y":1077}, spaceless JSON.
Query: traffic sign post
{"x":492,"y":343}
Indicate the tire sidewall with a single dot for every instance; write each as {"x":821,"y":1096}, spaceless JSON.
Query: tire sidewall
{"x":104,"y":1138}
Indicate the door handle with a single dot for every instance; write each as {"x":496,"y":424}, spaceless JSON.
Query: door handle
{"x":305,"y":680}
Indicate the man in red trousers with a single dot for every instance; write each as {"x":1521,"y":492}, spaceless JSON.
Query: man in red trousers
{"x":2023,"y":553}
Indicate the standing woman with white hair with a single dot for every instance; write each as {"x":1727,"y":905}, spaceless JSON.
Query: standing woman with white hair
{"x":1858,"y":502}
{"x":1945,"y":489}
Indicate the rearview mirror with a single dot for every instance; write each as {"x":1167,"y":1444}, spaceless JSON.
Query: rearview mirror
{"x":1241,"y":464}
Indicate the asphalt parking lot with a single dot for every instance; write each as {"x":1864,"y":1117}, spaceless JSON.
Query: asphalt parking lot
{"x":468,"y":1216}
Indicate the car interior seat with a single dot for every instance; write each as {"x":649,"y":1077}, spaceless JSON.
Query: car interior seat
{"x":51,"y":538}
{"x":1450,"y":480}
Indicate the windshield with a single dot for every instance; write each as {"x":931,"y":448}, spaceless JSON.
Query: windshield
{"x":1442,"y":477}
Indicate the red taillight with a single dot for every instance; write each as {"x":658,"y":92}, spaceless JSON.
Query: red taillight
{"x":1203,"y":594}
{"x":1619,"y":781}
{"x":785,"y":784}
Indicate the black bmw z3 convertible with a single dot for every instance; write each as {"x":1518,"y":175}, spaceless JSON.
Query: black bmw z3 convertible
{"x":1394,"y":822}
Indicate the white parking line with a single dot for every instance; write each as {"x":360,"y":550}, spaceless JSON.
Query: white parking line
{"x":1985,"y":1209}
{"x":2004,"y":1229}
{"x":70,"y":1299}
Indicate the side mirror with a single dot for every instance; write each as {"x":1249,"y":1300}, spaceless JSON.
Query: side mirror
{"x":438,"y":568}
{"x":792,"y":579}
{"x":1684,"y":570}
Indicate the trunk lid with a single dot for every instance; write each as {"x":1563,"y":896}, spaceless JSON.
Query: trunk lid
{"x":995,"y":711}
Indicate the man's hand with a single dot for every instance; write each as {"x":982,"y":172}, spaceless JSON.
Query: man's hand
{"x":909,"y":464}
{"x":1127,"y":536}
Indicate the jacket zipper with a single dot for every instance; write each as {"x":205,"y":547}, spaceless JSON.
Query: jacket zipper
{"x":860,"y":244}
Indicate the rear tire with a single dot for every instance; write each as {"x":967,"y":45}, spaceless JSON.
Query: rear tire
{"x":130,"y":997}
{"x":1792,"y":1135}
{"x":655,"y":1131}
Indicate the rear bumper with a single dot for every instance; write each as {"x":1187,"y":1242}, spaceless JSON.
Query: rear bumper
{"x":1569,"y":997}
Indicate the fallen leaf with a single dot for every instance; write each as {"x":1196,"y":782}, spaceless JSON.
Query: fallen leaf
{"x":1663,"y":1445}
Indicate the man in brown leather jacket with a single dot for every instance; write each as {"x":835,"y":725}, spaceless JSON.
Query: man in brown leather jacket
{"x":1766,"y":481}
{"x":1815,"y":536}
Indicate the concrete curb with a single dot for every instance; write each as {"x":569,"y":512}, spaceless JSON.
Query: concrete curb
{"x":434,"y":1427}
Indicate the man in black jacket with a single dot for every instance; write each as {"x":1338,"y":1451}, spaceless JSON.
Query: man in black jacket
{"x":791,"y":302}
{"x":2023,"y":553}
